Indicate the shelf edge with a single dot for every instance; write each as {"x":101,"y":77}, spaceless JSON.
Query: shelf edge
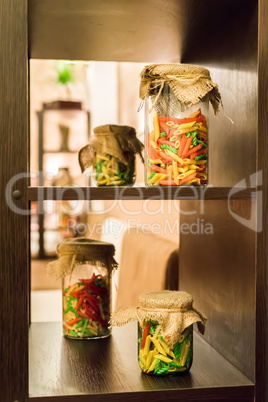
{"x":140,"y":193}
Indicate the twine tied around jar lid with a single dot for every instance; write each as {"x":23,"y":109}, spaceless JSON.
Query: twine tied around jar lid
{"x":118,"y":141}
{"x":78,"y":251}
{"x":173,"y":310}
{"x":189,"y":83}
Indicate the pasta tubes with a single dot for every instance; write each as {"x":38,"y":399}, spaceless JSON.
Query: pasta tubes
{"x":111,"y":172}
{"x":86,"y":308}
{"x":175,"y":146}
{"x":159,"y":358}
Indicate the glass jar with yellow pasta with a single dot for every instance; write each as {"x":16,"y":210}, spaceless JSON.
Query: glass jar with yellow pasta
{"x":112,"y":152}
{"x":176,"y":101}
{"x":165,"y":330}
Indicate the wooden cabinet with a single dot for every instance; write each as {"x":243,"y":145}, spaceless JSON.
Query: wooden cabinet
{"x":226,"y":271}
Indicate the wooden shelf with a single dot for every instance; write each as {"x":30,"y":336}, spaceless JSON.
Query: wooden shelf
{"x":140,"y":193}
{"x":102,"y":368}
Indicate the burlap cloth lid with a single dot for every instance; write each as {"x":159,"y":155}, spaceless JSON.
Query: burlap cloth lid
{"x":78,"y":250}
{"x":172,"y":309}
{"x":189,"y":84}
{"x":118,"y":141}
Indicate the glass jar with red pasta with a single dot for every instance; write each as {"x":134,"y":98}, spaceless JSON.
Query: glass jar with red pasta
{"x":85,"y":267}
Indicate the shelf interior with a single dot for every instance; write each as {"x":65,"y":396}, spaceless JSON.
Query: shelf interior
{"x":61,"y":367}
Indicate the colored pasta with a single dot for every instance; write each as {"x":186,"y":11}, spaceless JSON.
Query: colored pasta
{"x":111,"y":172}
{"x":86,"y":310}
{"x":158,"y":358}
{"x":172,"y":145}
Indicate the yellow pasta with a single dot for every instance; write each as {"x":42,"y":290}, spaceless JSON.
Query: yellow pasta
{"x":152,"y":366}
{"x":158,"y":346}
{"x":156,"y":127}
{"x":185,"y":130}
{"x":147,"y":345}
{"x":185,"y":174}
{"x":196,"y":180}
{"x":104,"y":181}
{"x":201,"y":127}
{"x":177,"y":143}
{"x":164,"y":346}
{"x":170,"y":353}
{"x":193,"y":167}
{"x":115,"y":182}
{"x":155,"y":178}
{"x":173,"y":156}
{"x":187,"y":125}
{"x":149,"y":359}
{"x":183,"y":169}
{"x":184,"y":353}
{"x":175,"y":171}
{"x":170,"y":169}
{"x":163,"y":358}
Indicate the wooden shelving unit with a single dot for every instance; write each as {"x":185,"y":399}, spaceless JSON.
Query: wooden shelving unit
{"x":226,"y":272}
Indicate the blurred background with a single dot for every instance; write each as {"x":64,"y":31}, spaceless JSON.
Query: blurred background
{"x":67,"y":100}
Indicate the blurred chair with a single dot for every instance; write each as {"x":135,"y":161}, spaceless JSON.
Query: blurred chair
{"x":148,"y":262}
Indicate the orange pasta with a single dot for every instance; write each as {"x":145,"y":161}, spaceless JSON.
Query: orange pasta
{"x":187,"y":146}
{"x":182,"y":145}
{"x":188,"y":178}
{"x":193,"y":150}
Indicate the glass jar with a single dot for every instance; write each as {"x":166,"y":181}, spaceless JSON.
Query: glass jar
{"x":176,"y":141}
{"x":112,"y":153}
{"x":165,"y":330}
{"x":85,"y":266}
{"x":156,"y":357}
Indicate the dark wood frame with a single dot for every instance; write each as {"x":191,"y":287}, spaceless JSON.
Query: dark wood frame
{"x":14,"y":273}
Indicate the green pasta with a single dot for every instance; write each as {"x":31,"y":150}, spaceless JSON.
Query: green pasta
{"x":177,"y":349}
{"x":84,"y":326}
{"x":165,"y":146}
{"x":162,"y":370}
{"x":159,"y":365}
{"x":73,"y":310}
{"x":200,"y":157}
{"x":173,"y":364}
